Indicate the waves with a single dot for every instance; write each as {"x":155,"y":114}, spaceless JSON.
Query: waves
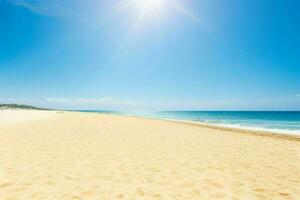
{"x":286,"y":122}
{"x":272,"y":121}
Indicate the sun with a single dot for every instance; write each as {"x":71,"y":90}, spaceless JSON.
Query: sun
{"x":150,"y":7}
{"x":154,"y":9}
{"x":140,"y":16}
{"x":150,"y":4}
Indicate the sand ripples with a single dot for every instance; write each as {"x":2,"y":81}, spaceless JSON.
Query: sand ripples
{"x":88,"y":156}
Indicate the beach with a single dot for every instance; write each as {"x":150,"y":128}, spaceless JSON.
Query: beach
{"x":59,"y":155}
{"x":16,"y":116}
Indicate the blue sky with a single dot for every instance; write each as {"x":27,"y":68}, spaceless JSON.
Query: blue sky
{"x":175,"y":55}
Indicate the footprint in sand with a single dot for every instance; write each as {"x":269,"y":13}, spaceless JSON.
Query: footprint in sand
{"x":156,"y":195}
{"x":76,"y":198}
{"x":196,"y":192}
{"x":283,"y":194}
{"x":50,"y":183}
{"x":219,"y":195}
{"x":35,"y":195}
{"x":88,"y":193}
{"x":140,"y":191}
{"x":4,"y":185}
{"x":120,"y":196}
{"x":214,"y":184}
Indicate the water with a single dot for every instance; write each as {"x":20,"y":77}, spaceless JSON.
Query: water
{"x":274,"y":121}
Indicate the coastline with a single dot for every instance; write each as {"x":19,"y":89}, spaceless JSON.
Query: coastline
{"x":281,"y":135}
{"x":267,"y":133}
{"x":14,"y":116}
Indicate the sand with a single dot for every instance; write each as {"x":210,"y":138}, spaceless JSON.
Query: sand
{"x":76,"y":156}
{"x":10,"y":116}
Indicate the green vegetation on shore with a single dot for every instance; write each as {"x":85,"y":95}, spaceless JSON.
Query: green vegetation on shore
{"x":19,"y":106}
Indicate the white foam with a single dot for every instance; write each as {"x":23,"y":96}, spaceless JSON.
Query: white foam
{"x":250,"y":128}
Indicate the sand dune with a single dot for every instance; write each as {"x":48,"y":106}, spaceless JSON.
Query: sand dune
{"x":72,"y":156}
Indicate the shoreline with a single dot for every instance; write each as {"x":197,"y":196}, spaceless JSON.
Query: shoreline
{"x":267,"y":133}
{"x":283,"y":135}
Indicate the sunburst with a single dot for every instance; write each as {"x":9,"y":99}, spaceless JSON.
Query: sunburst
{"x":141,"y":13}
{"x":154,"y":8}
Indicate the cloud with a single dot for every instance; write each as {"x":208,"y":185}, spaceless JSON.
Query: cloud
{"x":77,"y":103}
{"x":107,"y":102}
{"x":18,"y":101}
{"x":111,"y":103}
{"x":54,"y":8}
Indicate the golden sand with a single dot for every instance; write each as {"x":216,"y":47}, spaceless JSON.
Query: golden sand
{"x":72,"y":156}
{"x":8,"y":117}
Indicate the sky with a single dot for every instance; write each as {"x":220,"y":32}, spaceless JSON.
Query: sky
{"x":151,"y":54}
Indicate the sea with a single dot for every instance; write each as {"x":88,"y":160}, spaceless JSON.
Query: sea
{"x":287,"y":122}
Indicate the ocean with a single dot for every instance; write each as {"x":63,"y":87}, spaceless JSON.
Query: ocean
{"x":274,"y":121}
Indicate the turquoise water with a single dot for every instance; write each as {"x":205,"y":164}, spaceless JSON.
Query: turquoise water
{"x":282,"y":122}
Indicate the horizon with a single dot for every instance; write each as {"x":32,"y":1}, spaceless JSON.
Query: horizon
{"x":151,"y":55}
{"x":137,"y":111}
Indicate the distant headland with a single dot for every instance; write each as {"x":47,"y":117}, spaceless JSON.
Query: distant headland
{"x":19,"y":106}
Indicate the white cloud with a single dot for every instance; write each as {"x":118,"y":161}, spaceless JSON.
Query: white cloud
{"x":107,"y":102}
{"x":19,"y":101}
{"x":46,"y":7}
{"x":77,"y":103}
{"x":111,"y":103}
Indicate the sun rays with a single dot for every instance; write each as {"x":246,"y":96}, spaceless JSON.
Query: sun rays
{"x":154,"y":8}
{"x":141,"y":14}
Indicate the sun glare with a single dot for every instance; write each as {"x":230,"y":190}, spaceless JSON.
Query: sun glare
{"x":151,"y":4}
{"x":153,"y":9}
{"x":150,"y":7}
{"x":141,"y":15}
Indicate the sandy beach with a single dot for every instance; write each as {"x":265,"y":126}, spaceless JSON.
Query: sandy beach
{"x":16,"y":116}
{"x":75,"y":156}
